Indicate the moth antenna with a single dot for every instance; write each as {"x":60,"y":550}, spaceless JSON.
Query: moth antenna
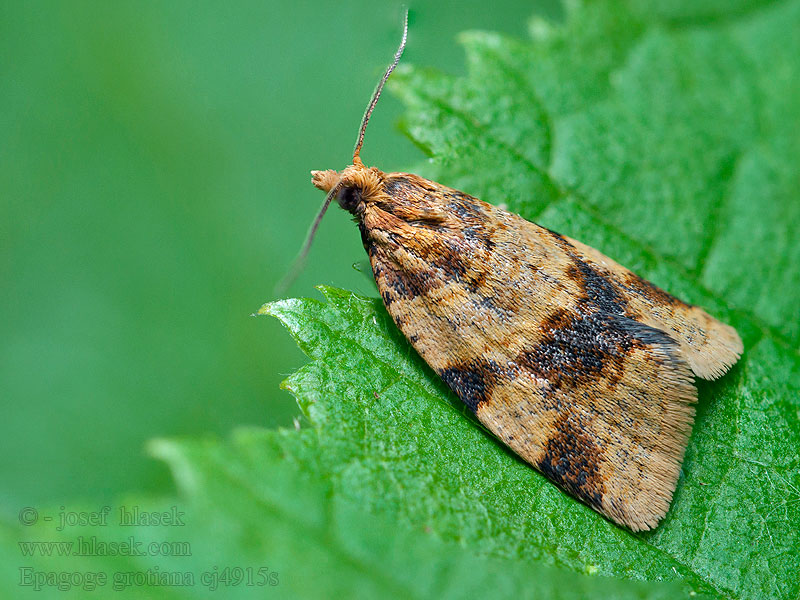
{"x":377,"y":93}
{"x":299,"y":262}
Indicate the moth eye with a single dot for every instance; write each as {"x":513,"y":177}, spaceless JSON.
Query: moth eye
{"x":349,"y":198}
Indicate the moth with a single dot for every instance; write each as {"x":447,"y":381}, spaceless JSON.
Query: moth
{"x":581,"y":367}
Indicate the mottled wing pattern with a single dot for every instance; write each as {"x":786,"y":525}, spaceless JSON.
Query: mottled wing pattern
{"x":582,"y":368}
{"x":709,"y":346}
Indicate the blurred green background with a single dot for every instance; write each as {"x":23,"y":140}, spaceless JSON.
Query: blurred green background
{"x":155,"y":187}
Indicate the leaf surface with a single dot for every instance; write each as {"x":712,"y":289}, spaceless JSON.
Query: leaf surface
{"x":665,"y":136}
{"x":661,"y":133}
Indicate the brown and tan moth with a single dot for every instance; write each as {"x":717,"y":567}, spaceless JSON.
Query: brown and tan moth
{"x":581,"y":367}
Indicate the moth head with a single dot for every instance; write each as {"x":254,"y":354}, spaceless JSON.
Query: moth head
{"x":352,"y":188}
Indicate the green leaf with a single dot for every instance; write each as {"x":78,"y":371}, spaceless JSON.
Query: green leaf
{"x":394,"y":441}
{"x":662,"y":133}
{"x":265,"y":502}
{"x":679,"y":138}
{"x":665,"y":136}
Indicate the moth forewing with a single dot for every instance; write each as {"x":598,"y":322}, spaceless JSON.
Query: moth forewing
{"x":580,"y":366}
